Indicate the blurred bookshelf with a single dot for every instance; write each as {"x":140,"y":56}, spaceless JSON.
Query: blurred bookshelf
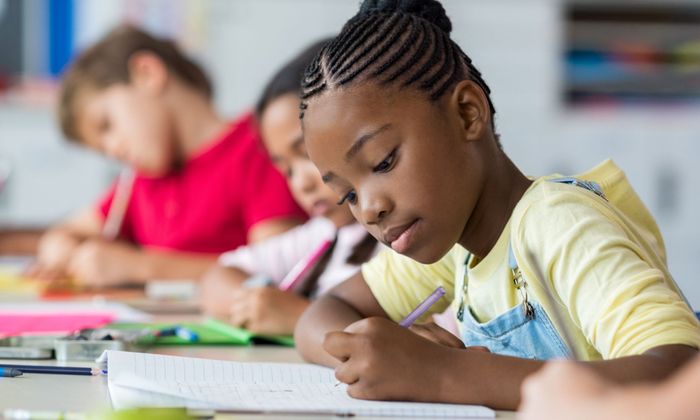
{"x":631,"y":53}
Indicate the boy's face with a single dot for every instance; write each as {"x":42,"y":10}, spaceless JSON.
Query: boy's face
{"x":401,"y":162}
{"x":281,"y":132}
{"x":129,"y":125}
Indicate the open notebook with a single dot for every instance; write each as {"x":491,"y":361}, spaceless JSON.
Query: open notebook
{"x":209,"y":332}
{"x":141,"y":379}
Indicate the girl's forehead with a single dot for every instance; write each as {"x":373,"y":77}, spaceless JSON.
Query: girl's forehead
{"x":345,"y":113}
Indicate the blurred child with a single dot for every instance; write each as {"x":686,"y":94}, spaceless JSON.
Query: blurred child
{"x":566,"y":390}
{"x":203,"y":185}
{"x":268,"y":309}
{"x":401,"y":126}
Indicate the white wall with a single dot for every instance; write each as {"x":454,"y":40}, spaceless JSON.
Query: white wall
{"x":516,"y":45}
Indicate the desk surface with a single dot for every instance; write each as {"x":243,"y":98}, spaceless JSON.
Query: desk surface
{"x":90,"y":393}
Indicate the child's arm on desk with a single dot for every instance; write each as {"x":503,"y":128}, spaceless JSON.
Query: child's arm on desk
{"x":216,"y":289}
{"x":270,"y":228}
{"x":343,"y":305}
{"x":381,"y":360}
{"x":57,"y":246}
{"x":262,"y":310}
{"x":100,"y":263}
{"x":75,"y":249}
{"x":573,"y":391}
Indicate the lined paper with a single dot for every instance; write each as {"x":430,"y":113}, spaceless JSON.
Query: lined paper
{"x":141,"y":379}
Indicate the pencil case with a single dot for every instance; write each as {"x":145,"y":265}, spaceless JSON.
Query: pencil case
{"x":89,"y":344}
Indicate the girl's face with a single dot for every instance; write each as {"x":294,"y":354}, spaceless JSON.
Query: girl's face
{"x":408,"y":167}
{"x":128,"y":124}
{"x":281,"y":131}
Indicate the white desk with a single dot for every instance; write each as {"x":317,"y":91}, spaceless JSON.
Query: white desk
{"x":89,"y":393}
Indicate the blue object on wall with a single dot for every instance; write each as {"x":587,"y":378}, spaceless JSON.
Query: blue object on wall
{"x":60,"y":34}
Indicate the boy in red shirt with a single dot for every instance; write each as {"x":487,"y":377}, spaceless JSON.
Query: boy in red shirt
{"x":202,"y":185}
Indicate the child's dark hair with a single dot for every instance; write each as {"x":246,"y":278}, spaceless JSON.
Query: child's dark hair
{"x":287,"y":80}
{"x":106,"y":63}
{"x":403,"y":42}
{"x":361,"y":253}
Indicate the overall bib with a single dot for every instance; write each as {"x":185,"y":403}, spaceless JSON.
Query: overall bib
{"x":523,"y":331}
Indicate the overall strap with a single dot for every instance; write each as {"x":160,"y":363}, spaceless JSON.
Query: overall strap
{"x":591,"y":186}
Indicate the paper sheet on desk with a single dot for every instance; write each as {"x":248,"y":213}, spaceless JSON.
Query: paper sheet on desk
{"x":62,"y":317}
{"x":280,"y":387}
{"x":118,"y":311}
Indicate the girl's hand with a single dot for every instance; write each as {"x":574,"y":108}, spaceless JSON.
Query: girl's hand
{"x":384,"y":361}
{"x":99,"y":263}
{"x":216,"y":288}
{"x":437,"y":334}
{"x":266,"y":310}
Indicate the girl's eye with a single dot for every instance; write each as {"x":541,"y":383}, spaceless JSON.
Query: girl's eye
{"x":350,"y":197}
{"x":387,"y":163}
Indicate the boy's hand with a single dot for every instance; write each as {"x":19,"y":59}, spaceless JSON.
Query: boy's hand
{"x":54,"y":253}
{"x":384,"y":361}
{"x":99,"y":263}
{"x":266,"y":310}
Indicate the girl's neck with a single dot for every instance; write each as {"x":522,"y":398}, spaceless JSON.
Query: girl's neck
{"x":503,"y":189}
{"x":195,"y":121}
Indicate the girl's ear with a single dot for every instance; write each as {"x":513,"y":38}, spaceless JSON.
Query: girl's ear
{"x":473,"y":109}
{"x":148,"y":72}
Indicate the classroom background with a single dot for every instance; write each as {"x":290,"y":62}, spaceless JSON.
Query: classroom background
{"x":579,"y":81}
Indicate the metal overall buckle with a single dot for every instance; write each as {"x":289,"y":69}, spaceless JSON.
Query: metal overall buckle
{"x":520,"y":284}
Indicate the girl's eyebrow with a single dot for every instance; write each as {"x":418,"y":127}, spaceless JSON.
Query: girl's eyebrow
{"x":360,"y":141}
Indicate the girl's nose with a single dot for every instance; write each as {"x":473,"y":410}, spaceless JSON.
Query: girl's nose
{"x":374,"y":207}
{"x":305,"y":178}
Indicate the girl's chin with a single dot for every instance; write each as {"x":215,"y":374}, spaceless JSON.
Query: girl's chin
{"x":426,"y":254}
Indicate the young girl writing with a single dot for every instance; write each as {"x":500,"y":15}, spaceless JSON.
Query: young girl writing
{"x":202,"y":185}
{"x":270,"y":310}
{"x":400,"y":124}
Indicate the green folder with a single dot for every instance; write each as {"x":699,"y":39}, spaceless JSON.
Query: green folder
{"x":209,"y":332}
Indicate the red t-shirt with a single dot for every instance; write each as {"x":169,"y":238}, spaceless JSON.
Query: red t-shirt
{"x":209,"y":205}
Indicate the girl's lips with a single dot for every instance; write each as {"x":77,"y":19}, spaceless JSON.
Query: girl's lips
{"x":320,"y":208}
{"x":401,"y":238}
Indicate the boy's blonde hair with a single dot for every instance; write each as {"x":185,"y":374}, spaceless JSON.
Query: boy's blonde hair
{"x":106,"y":63}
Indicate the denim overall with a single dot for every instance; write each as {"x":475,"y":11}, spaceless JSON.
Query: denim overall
{"x":523,"y":331}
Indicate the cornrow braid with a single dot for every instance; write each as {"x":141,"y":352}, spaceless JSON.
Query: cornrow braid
{"x":404,"y":42}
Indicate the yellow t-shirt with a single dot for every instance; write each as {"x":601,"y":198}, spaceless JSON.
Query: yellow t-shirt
{"x":608,"y":273}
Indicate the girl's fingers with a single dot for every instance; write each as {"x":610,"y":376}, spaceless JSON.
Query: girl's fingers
{"x":339,"y":344}
{"x":239,"y":313}
{"x":346,"y":374}
{"x":433,"y":332}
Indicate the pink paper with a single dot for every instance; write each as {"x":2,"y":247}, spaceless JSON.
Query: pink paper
{"x":18,"y":324}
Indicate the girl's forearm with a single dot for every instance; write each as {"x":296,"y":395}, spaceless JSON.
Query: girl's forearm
{"x":485,"y":379}
{"x":495,"y":380}
{"x":327,"y":314}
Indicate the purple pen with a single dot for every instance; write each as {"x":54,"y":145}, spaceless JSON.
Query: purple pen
{"x":422,"y":307}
